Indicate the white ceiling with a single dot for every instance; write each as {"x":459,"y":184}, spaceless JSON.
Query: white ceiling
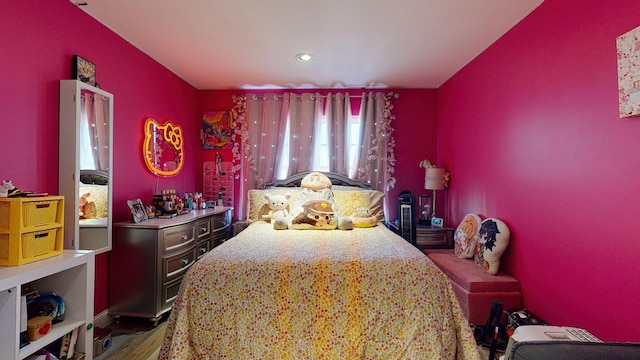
{"x":251,"y":44}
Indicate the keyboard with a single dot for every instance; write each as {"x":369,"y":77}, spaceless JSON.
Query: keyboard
{"x":582,"y":335}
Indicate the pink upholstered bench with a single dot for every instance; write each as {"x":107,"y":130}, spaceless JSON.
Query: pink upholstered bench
{"x":474,"y":288}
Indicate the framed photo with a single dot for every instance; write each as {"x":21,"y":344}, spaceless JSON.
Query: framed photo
{"x":217,"y":128}
{"x":84,"y":70}
{"x":137,"y":210}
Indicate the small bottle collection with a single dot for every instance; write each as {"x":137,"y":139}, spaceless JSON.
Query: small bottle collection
{"x":168,"y":204}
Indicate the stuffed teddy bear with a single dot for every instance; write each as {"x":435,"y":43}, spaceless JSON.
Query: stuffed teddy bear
{"x":278,"y":207}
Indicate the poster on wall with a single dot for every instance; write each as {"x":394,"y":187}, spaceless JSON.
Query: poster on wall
{"x":216,"y":130}
{"x":628,"y":54}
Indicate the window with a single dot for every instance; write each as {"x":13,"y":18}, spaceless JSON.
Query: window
{"x":321,"y":149}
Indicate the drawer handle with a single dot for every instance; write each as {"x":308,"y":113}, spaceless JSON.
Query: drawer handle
{"x":185,"y":261}
{"x":203,"y":229}
{"x":203,"y":250}
{"x":184,"y":237}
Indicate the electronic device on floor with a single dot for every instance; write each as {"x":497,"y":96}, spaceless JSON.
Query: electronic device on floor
{"x":547,"y":333}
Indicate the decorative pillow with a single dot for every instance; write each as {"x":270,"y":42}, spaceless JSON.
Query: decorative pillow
{"x":315,"y":214}
{"x":315,"y":181}
{"x":90,"y":211}
{"x":364,"y":222}
{"x":362,"y":218}
{"x":348,"y":201}
{"x":493,"y":239}
{"x":466,"y":236}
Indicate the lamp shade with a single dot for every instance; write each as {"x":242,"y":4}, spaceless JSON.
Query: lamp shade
{"x":434,"y":179}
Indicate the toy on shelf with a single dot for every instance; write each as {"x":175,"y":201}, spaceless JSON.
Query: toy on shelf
{"x":7,"y":189}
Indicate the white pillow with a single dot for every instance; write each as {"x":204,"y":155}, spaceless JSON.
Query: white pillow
{"x":493,"y":239}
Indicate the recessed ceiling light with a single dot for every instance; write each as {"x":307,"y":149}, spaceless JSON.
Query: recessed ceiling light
{"x":304,"y":57}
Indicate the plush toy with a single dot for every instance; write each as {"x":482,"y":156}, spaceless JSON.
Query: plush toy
{"x":362,"y":217}
{"x":315,"y":214}
{"x":82,"y":203}
{"x":316,"y":186}
{"x":278,"y":207}
{"x":7,"y":189}
{"x":4,"y":189}
{"x":315,"y":181}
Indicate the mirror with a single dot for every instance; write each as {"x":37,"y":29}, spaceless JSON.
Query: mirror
{"x":85,"y":158}
{"x":162,"y":148}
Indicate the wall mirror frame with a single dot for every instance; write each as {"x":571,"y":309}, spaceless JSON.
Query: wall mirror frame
{"x":85,"y":156}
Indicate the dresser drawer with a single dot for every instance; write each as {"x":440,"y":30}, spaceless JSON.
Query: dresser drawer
{"x":434,"y":238}
{"x":220,"y":221}
{"x":202,"y":248}
{"x":178,"y":237}
{"x":203,"y":228}
{"x":175,"y":266}
{"x":169,"y":293}
{"x":219,"y":238}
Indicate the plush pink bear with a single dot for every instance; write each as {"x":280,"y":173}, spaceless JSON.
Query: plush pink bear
{"x":83,"y":202}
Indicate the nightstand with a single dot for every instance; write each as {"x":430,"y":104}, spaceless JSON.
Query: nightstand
{"x":428,"y":237}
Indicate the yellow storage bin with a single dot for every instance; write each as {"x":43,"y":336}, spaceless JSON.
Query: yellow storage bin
{"x":39,"y":213}
{"x":39,"y":243}
{"x":31,"y":229}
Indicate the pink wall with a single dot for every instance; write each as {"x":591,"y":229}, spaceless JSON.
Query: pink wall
{"x":531,"y":134}
{"x":38,"y":40}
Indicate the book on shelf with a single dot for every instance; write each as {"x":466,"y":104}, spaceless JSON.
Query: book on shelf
{"x":65,"y":347}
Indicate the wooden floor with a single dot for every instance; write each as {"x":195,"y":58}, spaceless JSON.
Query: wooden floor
{"x":141,"y":341}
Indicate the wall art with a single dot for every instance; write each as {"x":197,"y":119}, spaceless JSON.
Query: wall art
{"x":628,"y":53}
{"x":217,"y":127}
{"x":83,"y":70}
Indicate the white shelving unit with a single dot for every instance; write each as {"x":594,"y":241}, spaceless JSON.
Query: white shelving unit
{"x":71,"y":276}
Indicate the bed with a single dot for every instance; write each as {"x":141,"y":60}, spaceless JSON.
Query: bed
{"x":364,"y":293}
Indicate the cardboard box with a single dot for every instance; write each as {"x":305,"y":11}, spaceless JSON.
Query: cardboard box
{"x":38,"y":327}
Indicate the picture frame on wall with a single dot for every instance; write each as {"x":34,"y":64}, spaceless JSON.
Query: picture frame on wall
{"x":83,"y":70}
{"x":217,"y":128}
{"x":628,"y":54}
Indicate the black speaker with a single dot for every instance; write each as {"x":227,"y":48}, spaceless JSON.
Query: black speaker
{"x":406,"y":218}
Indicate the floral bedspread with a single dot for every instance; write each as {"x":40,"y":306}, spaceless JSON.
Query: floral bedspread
{"x":316,"y":294}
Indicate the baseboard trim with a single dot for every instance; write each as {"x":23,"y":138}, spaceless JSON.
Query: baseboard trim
{"x":102,"y":320}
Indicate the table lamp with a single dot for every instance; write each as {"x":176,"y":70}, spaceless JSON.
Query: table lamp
{"x":434,"y":179}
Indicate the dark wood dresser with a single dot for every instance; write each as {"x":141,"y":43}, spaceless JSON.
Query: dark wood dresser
{"x":149,"y":259}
